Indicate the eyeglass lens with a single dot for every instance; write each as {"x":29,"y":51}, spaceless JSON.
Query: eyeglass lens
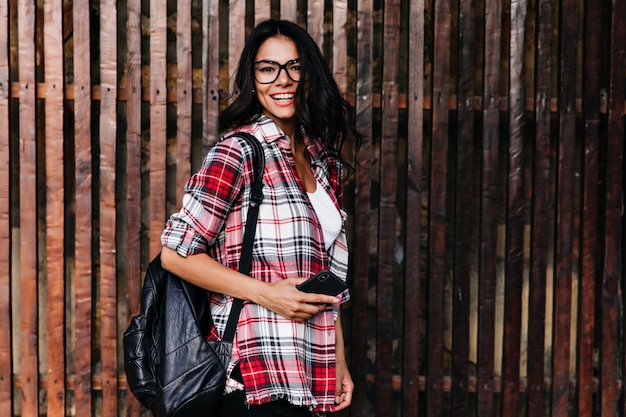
{"x":267,"y":72}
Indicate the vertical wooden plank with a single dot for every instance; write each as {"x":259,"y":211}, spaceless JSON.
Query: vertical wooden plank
{"x":362,"y":215}
{"x":613,"y":265}
{"x":262,"y":10}
{"x":211,"y":73}
{"x":28,"y":357}
{"x":589,"y":233}
{"x":83,"y":200}
{"x":387,"y":219}
{"x":315,"y":21}
{"x":158,"y":122}
{"x":6,"y":373}
{"x":340,"y":44}
{"x":437,"y":206}
{"x":107,"y":303}
{"x":489,"y":198}
{"x":415,"y":125}
{"x":564,"y":210}
{"x":236,"y":34}
{"x":514,"y":257}
{"x":289,"y":10}
{"x":540,"y":206}
{"x":184,"y":96}
{"x":465,"y":196}
{"x":133,"y":169}
{"x":55,"y":199}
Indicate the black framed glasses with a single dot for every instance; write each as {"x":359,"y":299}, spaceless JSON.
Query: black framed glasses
{"x":266,"y":71}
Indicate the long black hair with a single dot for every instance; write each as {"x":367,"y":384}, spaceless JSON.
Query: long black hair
{"x":320,"y":108}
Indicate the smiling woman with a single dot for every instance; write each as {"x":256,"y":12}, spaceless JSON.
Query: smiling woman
{"x":283,"y":83}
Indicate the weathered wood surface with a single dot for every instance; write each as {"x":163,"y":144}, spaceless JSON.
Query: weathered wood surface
{"x":489,"y":197}
{"x":82,"y":317}
{"x":55,"y":212}
{"x":464,"y":194}
{"x":540,"y":208}
{"x":562,"y":314}
{"x":414,"y":194}
{"x":485,"y":205}
{"x":437,"y":208}
{"x":515,"y":215}
{"x":387,"y":210}
{"x":107,"y":346}
{"x":5,"y":220}
{"x":589,"y":201}
{"x":363,"y":223}
{"x":28,"y":330}
{"x":613,"y":248}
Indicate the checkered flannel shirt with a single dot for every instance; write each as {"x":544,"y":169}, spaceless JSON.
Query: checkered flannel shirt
{"x":279,"y":358}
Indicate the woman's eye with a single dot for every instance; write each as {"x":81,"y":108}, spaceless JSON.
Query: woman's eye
{"x":265,"y":69}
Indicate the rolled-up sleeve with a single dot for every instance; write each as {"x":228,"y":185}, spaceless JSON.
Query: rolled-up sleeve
{"x":209,"y":195}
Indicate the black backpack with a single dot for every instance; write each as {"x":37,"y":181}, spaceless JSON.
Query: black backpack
{"x":170,"y":366}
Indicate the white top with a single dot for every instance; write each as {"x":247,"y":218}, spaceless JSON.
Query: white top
{"x":327,"y":213}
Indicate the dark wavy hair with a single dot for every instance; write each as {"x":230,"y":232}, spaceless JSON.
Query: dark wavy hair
{"x":321,"y":110}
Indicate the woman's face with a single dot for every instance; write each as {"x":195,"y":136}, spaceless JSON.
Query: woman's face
{"x":277,"y":96}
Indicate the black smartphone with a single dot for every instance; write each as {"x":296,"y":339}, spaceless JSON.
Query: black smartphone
{"x":324,"y":282}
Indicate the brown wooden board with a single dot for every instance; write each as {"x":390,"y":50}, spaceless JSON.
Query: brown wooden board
{"x":107,"y":283}
{"x":489,"y":198}
{"x":315,"y":21}
{"x":55,"y":202}
{"x":387,"y":210}
{"x":158,"y":123}
{"x":340,"y":45}
{"x":437,"y":207}
{"x":134,"y":267}
{"x":464,"y":197}
{"x":184,"y":97}
{"x":262,"y":10}
{"x":236,"y":37}
{"x":83,"y":233}
{"x":613,"y":263}
{"x":514,"y":256}
{"x":362,"y":216}
{"x":211,"y":74}
{"x":540,"y":232}
{"x":413,"y":264}
{"x":28,"y":359}
{"x":487,"y":267}
{"x":289,"y":10}
{"x":6,"y":374}
{"x":589,"y":232}
{"x":564,"y":212}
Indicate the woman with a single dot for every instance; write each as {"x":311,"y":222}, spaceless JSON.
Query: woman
{"x":288,"y":356}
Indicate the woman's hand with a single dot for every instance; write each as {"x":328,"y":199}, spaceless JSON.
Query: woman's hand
{"x":281,"y":297}
{"x":344,"y":385}
{"x":285,"y":299}
{"x":344,"y":388}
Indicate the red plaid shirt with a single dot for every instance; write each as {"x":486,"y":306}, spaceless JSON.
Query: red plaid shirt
{"x":279,"y":358}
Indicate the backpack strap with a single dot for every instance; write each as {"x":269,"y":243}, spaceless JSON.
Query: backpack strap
{"x":256,"y":196}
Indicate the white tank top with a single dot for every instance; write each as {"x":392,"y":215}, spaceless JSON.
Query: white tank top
{"x":327,"y":213}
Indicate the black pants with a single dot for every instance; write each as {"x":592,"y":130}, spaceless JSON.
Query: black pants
{"x":234,"y":405}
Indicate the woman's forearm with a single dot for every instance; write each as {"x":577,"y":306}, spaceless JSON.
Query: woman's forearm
{"x":207,"y":273}
{"x":340,"y":350}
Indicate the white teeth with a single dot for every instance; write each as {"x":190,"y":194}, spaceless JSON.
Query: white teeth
{"x":282,"y":96}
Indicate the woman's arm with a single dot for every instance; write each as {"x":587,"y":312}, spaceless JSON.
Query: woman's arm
{"x":345,"y":385}
{"x":281,"y":297}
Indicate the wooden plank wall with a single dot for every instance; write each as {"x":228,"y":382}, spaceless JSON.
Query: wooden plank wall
{"x":487,"y":221}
